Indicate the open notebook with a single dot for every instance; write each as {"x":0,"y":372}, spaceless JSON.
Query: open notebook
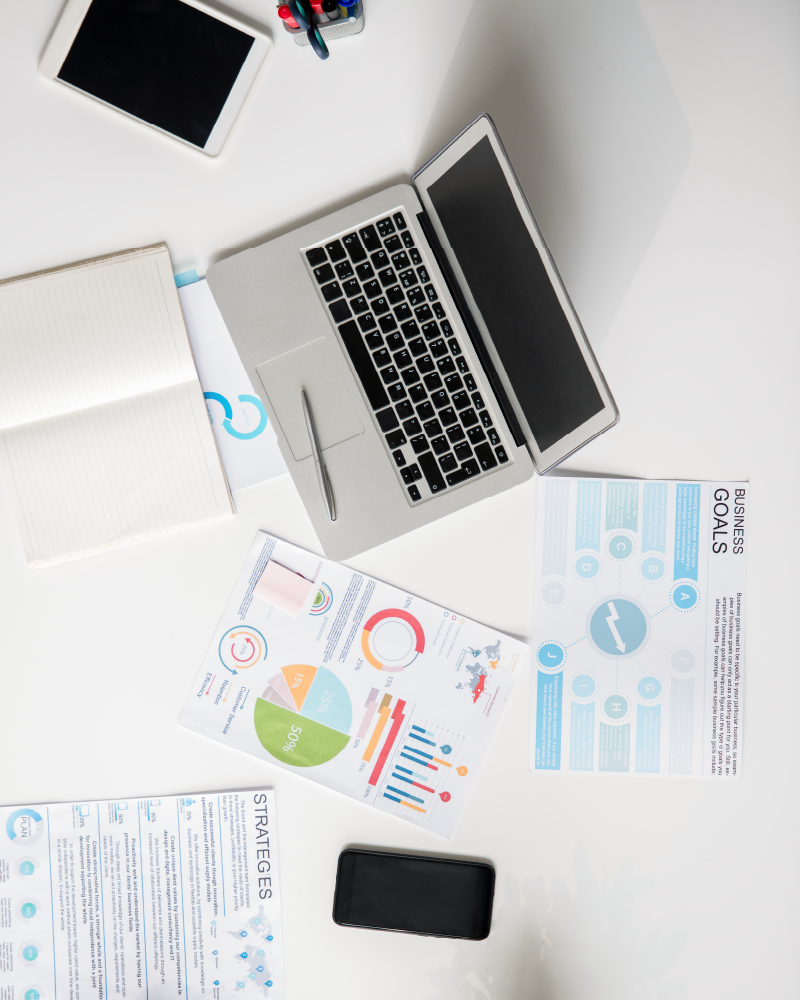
{"x":105,"y":437}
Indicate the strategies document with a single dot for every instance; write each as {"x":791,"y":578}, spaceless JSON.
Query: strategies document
{"x":160,"y":898}
{"x":639,"y":628}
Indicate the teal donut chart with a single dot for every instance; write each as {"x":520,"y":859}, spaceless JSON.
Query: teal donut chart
{"x":227,"y":409}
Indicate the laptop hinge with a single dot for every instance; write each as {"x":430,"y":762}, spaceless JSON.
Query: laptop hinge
{"x":472,"y":329}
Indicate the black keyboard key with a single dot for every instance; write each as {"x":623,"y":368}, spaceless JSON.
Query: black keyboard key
{"x":417,"y":347}
{"x":399,"y":221}
{"x":440,"y":399}
{"x":467,"y":471}
{"x":394,"y":341}
{"x":359,"y":305}
{"x":351,"y":288}
{"x":397,"y":391}
{"x":416,"y":257}
{"x":402,"y":312}
{"x":367,"y":322}
{"x":417,"y":392}
{"x":430,"y":291}
{"x":408,"y":279}
{"x":324,"y":273}
{"x":430,"y":330}
{"x":374,"y":340}
{"x":426,"y":364}
{"x":335,"y":250}
{"x":407,"y":240}
{"x":447,"y":330}
{"x":455,"y":433}
{"x":361,"y":360}
{"x":400,"y":260}
{"x":433,"y":381}
{"x":389,"y":374}
{"x":476,"y":435}
{"x":372,"y":288}
{"x":388,"y":323}
{"x":453,"y":382}
{"x":471,"y":468}
{"x":386,"y":276}
{"x":440,"y":445}
{"x":448,"y":463}
{"x":423,"y":313}
{"x":494,"y":437}
{"x":395,"y":295}
{"x":424,"y":277}
{"x":414,"y":493}
{"x":419,"y":444}
{"x":404,"y":410}
{"x":460,"y":400}
{"x":469,"y":382}
{"x":393,"y":243}
{"x":397,"y":438}
{"x":416,"y":296}
{"x":385,"y":227}
{"x":410,"y":329}
{"x":501,"y":455}
{"x":387,"y":420}
{"x":316,"y":256}
{"x":340,"y":311}
{"x":365,"y":272}
{"x":402,"y":358}
{"x":344,"y":270}
{"x":331,"y":291}
{"x":352,"y":245}
{"x":446,"y":365}
{"x":433,"y":428}
{"x":449,"y":416}
{"x":486,"y":417}
{"x":411,"y":474}
{"x":463,"y":367}
{"x":425,"y":411}
{"x":456,"y":477}
{"x":432,"y":474}
{"x":438,"y":311}
{"x":485,"y":456}
{"x":410,"y":376}
{"x":477,"y":401}
{"x":370,"y":238}
{"x":399,"y":459}
{"x":455,"y":347}
{"x":380,"y":306}
{"x":379,"y":259}
{"x":462,"y":451}
{"x":412,"y":427}
{"x":438,"y":348}
{"x":382,"y":358}
{"x":469,"y":417}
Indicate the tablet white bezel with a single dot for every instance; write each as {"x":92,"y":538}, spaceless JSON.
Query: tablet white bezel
{"x":483,"y":127}
{"x":67,"y":28}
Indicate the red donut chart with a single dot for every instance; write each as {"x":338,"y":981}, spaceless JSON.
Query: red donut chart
{"x":392,"y":640}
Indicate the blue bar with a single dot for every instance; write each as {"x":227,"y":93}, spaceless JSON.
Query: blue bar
{"x":405,"y":795}
{"x":419,"y":729}
{"x":401,"y":768}
{"x":401,"y":777}
{"x":549,"y":704}
{"x":392,"y":798}
{"x":419,"y":763}
{"x":420,"y":753}
{"x":687,"y":530}
{"x":422,"y":739}
{"x":587,"y":514}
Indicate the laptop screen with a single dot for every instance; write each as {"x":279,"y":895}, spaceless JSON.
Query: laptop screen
{"x":511,"y":287}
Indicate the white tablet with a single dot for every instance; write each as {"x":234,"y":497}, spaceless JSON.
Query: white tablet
{"x":176,"y":65}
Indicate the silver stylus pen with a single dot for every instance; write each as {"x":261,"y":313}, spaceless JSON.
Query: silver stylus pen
{"x":322,"y":472}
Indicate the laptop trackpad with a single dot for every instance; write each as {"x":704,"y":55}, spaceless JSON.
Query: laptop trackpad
{"x":311,"y":367}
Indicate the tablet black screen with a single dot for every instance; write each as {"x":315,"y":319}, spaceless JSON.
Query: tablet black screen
{"x":161,"y":60}
{"x":511,"y":287}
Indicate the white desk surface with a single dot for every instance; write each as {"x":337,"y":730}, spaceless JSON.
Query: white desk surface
{"x":658,"y":142}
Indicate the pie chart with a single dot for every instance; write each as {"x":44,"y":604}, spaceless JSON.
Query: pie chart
{"x":392,"y":640}
{"x":303,"y":717}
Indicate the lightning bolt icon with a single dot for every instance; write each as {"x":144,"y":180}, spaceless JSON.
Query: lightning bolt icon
{"x":613,"y":617}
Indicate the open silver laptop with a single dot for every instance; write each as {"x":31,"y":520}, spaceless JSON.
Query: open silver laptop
{"x":438,"y":348}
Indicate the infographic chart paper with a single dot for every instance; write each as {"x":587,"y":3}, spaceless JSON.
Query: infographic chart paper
{"x":369,"y":690}
{"x":169,"y":897}
{"x":638,"y":652}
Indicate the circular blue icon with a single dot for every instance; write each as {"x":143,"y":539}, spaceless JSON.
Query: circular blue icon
{"x":653,"y":568}
{"x":683,"y":661}
{"x":213,"y":922}
{"x":649,"y":688}
{"x":252,"y":975}
{"x":620,"y":547}
{"x":32,"y":994}
{"x":26,"y":868}
{"x":553,"y":592}
{"x":260,"y":951}
{"x":28,"y":910}
{"x":30,"y":953}
{"x":243,"y":955}
{"x":685,"y":596}
{"x":587,"y":567}
{"x":268,"y":982}
{"x":550,"y":654}
{"x":256,"y":921}
{"x":446,"y":748}
{"x":216,"y":982}
{"x":615,"y":706}
{"x":259,"y":968}
{"x":584,"y":686}
{"x":215,"y":953}
{"x":618,"y":627}
{"x":269,"y":937}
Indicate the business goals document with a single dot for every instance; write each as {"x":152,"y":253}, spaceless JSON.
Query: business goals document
{"x":639,"y":627}
{"x":162,"y":897}
{"x":363,"y":687}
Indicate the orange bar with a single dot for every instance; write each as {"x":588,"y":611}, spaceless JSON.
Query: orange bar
{"x":377,"y":732}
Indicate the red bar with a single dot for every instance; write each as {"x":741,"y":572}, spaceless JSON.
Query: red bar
{"x":423,"y":787}
{"x":397,"y":722}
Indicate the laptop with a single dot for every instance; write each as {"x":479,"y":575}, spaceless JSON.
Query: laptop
{"x":441,"y":357}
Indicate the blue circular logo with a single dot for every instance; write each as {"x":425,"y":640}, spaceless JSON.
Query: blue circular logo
{"x":550,"y":654}
{"x":618,"y":627}
{"x":685,"y":596}
{"x":32,"y":994}
{"x":28,"y":910}
{"x":268,"y":982}
{"x":649,"y":688}
{"x":653,"y":568}
{"x":269,"y":937}
{"x":553,"y":592}
{"x":584,"y":686}
{"x":683,"y":661}
{"x":587,"y":567}
{"x":620,"y":547}
{"x":26,"y":868}
{"x":615,"y":706}
{"x":30,"y":953}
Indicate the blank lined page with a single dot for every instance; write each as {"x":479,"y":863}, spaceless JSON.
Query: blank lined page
{"x":90,"y":334}
{"x":100,"y":477}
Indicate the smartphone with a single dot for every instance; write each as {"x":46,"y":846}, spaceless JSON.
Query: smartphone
{"x":400,"y":892}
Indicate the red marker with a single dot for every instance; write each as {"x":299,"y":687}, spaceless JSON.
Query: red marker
{"x":286,"y":16}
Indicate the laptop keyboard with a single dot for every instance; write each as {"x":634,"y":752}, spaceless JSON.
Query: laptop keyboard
{"x":428,"y":405}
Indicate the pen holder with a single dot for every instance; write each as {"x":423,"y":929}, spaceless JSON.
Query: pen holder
{"x":331,"y":30}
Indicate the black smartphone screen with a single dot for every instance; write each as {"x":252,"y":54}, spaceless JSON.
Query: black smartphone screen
{"x":397,"y":892}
